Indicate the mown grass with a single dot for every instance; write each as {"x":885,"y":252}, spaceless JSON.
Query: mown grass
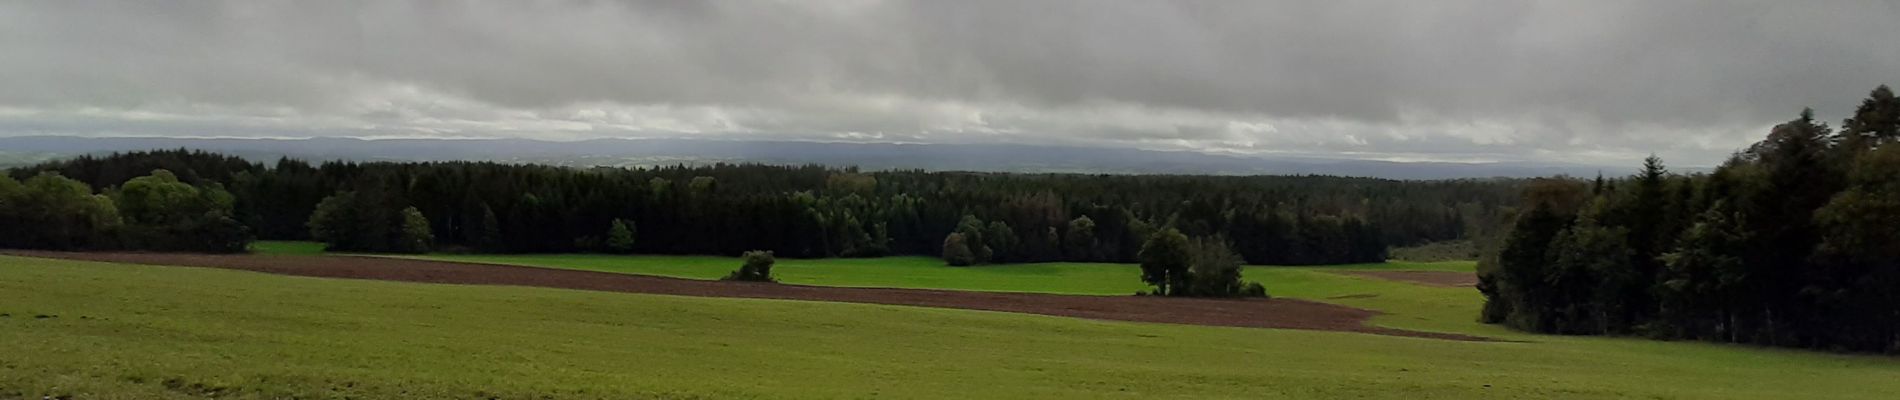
{"x":140,"y":332}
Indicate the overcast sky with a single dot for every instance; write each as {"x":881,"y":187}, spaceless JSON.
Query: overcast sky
{"x":1602,"y":82}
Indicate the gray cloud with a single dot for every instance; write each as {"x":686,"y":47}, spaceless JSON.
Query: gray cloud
{"x":1601,"y":81}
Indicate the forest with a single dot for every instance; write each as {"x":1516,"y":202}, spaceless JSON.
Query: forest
{"x":725,"y":209}
{"x":1791,"y":242}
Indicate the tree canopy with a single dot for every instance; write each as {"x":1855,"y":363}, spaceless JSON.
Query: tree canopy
{"x":1789,"y":243}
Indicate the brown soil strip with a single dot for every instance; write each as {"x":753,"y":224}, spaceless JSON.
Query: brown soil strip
{"x":1429,"y":278}
{"x":1254,"y":313}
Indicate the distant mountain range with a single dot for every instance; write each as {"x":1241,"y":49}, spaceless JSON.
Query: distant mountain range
{"x":870,"y":156}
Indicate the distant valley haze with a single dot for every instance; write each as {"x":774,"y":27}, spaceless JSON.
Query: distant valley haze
{"x":869,"y":156}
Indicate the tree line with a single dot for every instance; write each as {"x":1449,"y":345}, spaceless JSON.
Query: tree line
{"x":1791,"y":242}
{"x":152,"y":212}
{"x":812,"y":211}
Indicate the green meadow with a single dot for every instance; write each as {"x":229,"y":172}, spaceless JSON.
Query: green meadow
{"x":99,"y":330}
{"x":901,"y":272}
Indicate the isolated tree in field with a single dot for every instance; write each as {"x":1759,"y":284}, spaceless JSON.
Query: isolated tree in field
{"x":416,"y":237}
{"x":757,"y":267}
{"x":956,"y":251}
{"x":620,"y":236}
{"x":1164,"y":261}
{"x":1213,"y":269}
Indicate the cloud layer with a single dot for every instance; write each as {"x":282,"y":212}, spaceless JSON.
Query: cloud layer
{"x":1594,"y":82}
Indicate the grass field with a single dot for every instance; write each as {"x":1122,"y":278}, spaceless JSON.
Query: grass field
{"x":900,"y":272}
{"x":287,"y":248}
{"x":1410,"y":306}
{"x":178,"y":332}
{"x":122,"y":331}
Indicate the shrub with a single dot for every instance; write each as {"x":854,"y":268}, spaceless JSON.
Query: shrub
{"x":956,"y":251}
{"x":1254,"y":289}
{"x":757,"y":268}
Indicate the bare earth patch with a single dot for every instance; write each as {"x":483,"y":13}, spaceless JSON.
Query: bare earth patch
{"x":1430,"y":278}
{"x":1252,"y":313}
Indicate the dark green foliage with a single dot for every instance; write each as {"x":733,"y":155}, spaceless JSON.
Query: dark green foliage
{"x":757,"y":267}
{"x":1200,"y":267}
{"x":620,"y":236}
{"x":1591,"y":278}
{"x":1790,"y":243}
{"x":485,"y":233}
{"x":49,"y":211}
{"x":1453,"y":250}
{"x":1080,"y":244}
{"x":415,"y":236}
{"x":1857,"y":268}
{"x":156,"y":212}
{"x":1701,"y":281}
{"x":1254,"y":289}
{"x":974,"y":234}
{"x":1875,"y":123}
{"x":1165,"y":259}
{"x":1002,"y":243}
{"x":1213,"y":269}
{"x":163,"y":213}
{"x":358,"y":221}
{"x":956,"y":250}
{"x":813,"y":211}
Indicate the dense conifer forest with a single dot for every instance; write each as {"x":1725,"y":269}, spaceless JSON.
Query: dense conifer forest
{"x":1795,"y":241}
{"x":793,"y":211}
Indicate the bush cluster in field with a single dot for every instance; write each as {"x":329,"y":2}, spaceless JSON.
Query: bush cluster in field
{"x":757,"y":267}
{"x":1200,"y":267}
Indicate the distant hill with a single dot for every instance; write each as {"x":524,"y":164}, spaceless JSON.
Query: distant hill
{"x":871,"y":156}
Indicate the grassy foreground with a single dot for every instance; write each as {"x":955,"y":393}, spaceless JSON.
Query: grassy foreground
{"x":140,"y":332}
